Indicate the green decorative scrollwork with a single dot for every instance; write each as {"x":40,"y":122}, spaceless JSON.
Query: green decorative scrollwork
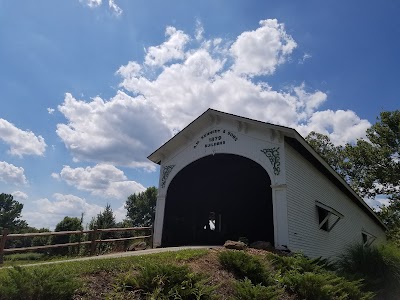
{"x":273,"y":156}
{"x":165,"y":173}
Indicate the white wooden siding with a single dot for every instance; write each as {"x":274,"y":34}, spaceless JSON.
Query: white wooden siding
{"x":305,"y":185}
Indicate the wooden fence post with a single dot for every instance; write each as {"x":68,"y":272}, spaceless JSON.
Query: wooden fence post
{"x":3,"y":244}
{"x":93,"y":244}
{"x":152,"y":237}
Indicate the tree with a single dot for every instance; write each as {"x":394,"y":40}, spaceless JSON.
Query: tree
{"x":333,"y":155}
{"x":373,"y":164}
{"x":104,"y":220}
{"x":67,"y":224}
{"x":141,"y":207}
{"x":10,"y":213}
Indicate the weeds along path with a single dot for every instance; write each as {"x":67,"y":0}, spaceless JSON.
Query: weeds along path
{"x":118,"y":255}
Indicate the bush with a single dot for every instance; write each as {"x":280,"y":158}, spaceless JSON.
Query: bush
{"x":246,"y":290}
{"x":314,"y":279}
{"x":37,"y":283}
{"x":379,"y":267}
{"x":166,"y":281}
{"x":323,"y":286}
{"x":244,"y":265}
{"x":298,"y":262}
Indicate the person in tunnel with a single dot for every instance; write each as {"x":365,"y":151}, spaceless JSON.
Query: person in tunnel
{"x":210,"y":224}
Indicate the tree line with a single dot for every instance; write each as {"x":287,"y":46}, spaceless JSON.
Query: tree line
{"x":140,"y":213}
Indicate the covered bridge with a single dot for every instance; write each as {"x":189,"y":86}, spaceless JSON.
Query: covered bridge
{"x":225,"y":177}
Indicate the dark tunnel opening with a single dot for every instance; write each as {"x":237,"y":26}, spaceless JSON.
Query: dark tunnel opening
{"x":216,"y":198}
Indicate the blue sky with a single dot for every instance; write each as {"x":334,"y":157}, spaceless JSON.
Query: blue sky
{"x":89,"y":88}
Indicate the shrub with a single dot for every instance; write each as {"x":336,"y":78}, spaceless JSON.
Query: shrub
{"x":324,"y":286}
{"x":166,"y":281}
{"x":379,"y":267}
{"x":244,"y":265}
{"x":313,"y":279}
{"x":246,"y":290}
{"x":298,"y":262}
{"x":37,"y":283}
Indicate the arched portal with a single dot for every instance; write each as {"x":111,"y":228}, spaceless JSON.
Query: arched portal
{"x":218,"y":197}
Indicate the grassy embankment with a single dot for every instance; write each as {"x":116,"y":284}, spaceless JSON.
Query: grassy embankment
{"x":209,"y":274}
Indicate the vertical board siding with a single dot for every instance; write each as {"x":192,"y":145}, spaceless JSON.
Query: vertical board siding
{"x":305,"y":185}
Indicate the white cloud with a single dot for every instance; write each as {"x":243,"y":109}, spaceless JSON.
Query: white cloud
{"x":304,"y":58}
{"x":19,"y":196}
{"x":21,"y":142}
{"x":122,"y":131}
{"x":258,"y":52}
{"x":101,"y":180}
{"x":308,"y":102}
{"x":341,"y":126}
{"x":199,"y":30}
{"x":115,"y":8}
{"x":182,"y":77}
{"x":48,"y":213}
{"x":172,"y":49}
{"x":11,"y":174}
{"x":50,"y":110}
{"x":91,"y":3}
{"x":120,"y":213}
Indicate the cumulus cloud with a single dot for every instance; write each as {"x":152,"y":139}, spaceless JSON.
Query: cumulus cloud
{"x":182,"y":77}
{"x":21,"y":142}
{"x":342,"y":126}
{"x":122,"y":131}
{"x":172,"y":49}
{"x":258,"y":52}
{"x":11,"y":174}
{"x":48,"y":213}
{"x":120,"y":213}
{"x":50,"y":110}
{"x":101,"y":180}
{"x":19,"y":196}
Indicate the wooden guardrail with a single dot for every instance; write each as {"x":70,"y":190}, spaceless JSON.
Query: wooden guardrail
{"x":93,"y":234}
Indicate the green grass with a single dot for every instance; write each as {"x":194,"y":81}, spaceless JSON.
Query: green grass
{"x":31,"y":256}
{"x":123,"y":263}
{"x":19,"y":259}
